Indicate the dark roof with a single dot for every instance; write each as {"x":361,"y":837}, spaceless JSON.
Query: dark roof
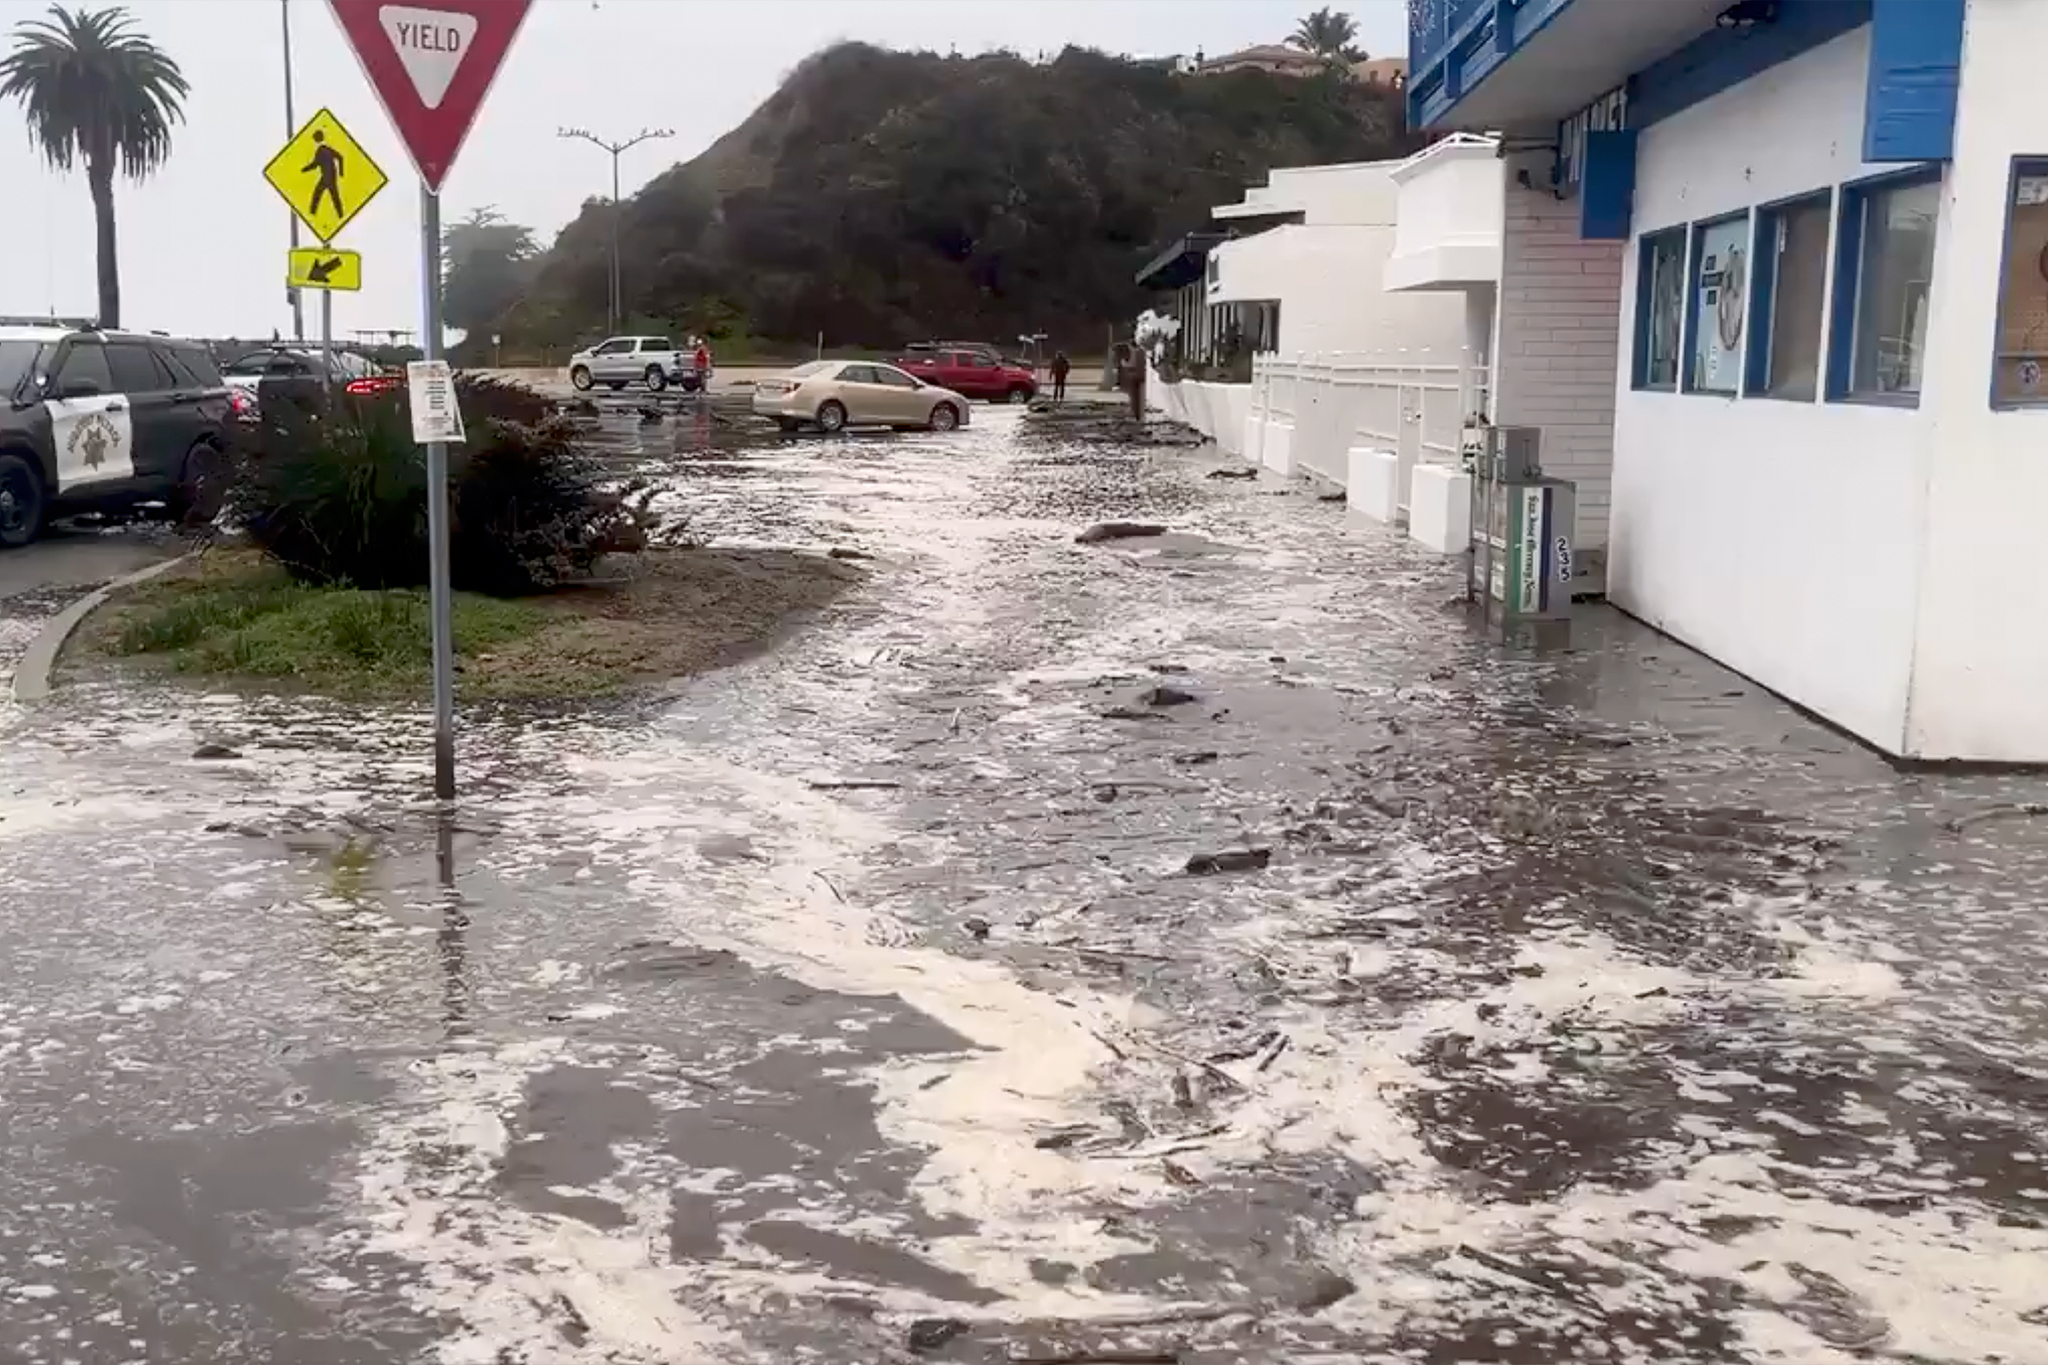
{"x":1180,"y":263}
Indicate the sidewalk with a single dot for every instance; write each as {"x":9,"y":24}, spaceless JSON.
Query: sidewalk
{"x":937,"y":983}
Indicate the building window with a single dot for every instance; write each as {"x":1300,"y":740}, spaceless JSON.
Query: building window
{"x":1789,"y":286}
{"x":1884,"y":268}
{"x":2021,"y":375}
{"x":1660,"y":305}
{"x":1719,"y":306}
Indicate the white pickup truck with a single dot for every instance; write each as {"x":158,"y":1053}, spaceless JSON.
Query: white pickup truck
{"x":619,"y":361}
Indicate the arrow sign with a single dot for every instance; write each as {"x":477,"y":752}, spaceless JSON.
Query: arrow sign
{"x":319,"y":267}
{"x":432,"y":62}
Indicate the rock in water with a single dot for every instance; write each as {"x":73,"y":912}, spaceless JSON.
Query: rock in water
{"x":1229,"y":860}
{"x":1118,"y":530}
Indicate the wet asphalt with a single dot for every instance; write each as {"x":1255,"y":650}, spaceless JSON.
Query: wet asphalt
{"x":937,"y":987}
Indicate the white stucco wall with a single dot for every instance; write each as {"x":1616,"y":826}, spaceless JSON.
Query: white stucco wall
{"x":1328,"y":284}
{"x":1980,"y":664}
{"x":1342,"y":193}
{"x":1782,"y":538}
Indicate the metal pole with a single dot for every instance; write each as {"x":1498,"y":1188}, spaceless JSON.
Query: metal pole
{"x":618,"y":293}
{"x":440,"y":595}
{"x":291,"y":126}
{"x":327,"y":342}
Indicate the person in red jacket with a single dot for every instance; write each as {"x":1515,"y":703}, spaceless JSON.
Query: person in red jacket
{"x":702,"y":364}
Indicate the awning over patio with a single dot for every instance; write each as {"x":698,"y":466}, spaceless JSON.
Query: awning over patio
{"x":1180,"y":263}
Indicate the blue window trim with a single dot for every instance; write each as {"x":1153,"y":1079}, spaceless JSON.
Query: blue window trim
{"x":1850,"y":213}
{"x":2021,"y":165}
{"x":1639,"y":367}
{"x":1689,"y":339}
{"x":1763,"y":290}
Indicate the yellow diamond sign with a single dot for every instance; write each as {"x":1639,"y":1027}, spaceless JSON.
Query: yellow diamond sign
{"x":322,"y":267}
{"x":325,"y":175}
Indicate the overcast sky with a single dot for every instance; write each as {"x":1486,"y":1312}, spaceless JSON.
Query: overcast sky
{"x":203,"y":242}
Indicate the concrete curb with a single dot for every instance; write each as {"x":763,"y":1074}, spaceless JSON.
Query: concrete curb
{"x":32,"y":674}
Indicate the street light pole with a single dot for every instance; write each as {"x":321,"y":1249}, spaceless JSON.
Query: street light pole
{"x":291,"y":126}
{"x":616,"y":307}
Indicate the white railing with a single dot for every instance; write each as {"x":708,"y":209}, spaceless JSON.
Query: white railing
{"x":1415,"y":404}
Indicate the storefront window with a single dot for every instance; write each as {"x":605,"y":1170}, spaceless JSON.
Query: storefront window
{"x":1893,"y":274}
{"x":2021,"y":375}
{"x":1720,"y":306}
{"x":1661,"y":303}
{"x":1791,"y":288}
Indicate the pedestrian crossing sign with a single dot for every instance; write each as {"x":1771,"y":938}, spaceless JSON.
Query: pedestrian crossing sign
{"x":325,"y":175}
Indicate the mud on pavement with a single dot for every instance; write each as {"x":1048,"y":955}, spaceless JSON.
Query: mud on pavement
{"x":1193,"y":946}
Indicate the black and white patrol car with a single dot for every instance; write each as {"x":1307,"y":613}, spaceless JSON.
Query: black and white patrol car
{"x":96,"y":419}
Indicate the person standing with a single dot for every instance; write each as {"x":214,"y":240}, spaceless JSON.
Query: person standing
{"x":702,"y":363}
{"x":1060,"y":366}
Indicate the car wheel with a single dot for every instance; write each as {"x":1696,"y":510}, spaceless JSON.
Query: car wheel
{"x":657,"y":378}
{"x":1020,"y":394}
{"x":580,"y":379}
{"x":21,"y":502}
{"x":202,"y":485}
{"x":945,"y":417}
{"x":615,"y":384}
{"x":831,"y":415}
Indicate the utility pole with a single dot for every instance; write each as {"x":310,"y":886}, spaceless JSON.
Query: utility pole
{"x":291,"y":126}
{"x":615,"y":312}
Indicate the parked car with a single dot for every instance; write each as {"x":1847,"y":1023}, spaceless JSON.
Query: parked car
{"x":97,"y":419}
{"x":976,"y":373}
{"x":619,"y":361}
{"x":296,"y":370}
{"x":833,"y":394}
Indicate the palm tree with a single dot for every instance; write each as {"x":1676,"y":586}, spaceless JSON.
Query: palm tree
{"x":96,"y":91}
{"x":1327,"y":33}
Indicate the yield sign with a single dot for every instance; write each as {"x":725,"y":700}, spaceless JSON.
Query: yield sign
{"x":432,"y":61}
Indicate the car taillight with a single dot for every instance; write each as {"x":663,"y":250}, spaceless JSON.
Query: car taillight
{"x":241,"y":404}
{"x":362,"y":388}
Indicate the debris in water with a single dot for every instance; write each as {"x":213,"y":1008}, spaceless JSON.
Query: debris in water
{"x":1163,"y":695}
{"x":1118,"y":530}
{"x":929,"y":1334}
{"x":1246,"y":472}
{"x":1957,"y":824}
{"x":841,"y":552}
{"x":1229,"y":860}
{"x":976,"y":926}
{"x":855,"y":784}
{"x":212,"y":751}
{"x":1328,"y":1287}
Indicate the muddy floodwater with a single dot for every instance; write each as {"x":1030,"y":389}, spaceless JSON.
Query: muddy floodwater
{"x":1199,"y":947}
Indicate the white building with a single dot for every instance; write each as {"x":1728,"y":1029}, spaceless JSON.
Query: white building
{"x":1783,"y":265}
{"x":1297,"y":349}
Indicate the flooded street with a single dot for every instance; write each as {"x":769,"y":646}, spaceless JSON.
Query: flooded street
{"x":1195,"y":948}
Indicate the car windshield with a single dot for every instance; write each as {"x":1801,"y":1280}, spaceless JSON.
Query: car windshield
{"x":17,"y":360}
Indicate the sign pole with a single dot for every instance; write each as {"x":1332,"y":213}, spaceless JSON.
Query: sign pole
{"x":327,"y":342}
{"x":440,"y":594}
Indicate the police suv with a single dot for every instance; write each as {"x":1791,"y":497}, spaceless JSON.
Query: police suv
{"x":95,"y":419}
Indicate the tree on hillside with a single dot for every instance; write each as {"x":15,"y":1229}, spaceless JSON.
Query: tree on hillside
{"x":95,"y":91}
{"x":487,"y":264}
{"x":1328,"y":33}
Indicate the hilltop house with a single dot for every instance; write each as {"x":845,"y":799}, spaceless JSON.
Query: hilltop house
{"x":1779,"y":267}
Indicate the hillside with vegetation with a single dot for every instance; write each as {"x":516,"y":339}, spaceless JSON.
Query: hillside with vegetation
{"x":880,"y":195}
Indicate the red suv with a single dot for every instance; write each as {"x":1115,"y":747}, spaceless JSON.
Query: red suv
{"x":975,"y":374}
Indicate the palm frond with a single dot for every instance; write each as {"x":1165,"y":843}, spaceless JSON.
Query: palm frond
{"x":94,"y":90}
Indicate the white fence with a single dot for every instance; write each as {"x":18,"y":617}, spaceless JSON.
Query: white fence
{"x":1414,"y":405}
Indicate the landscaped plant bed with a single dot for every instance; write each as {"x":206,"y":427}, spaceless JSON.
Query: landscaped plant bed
{"x":233,"y":617}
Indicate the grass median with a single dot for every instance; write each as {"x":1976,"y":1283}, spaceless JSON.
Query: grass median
{"x":232,"y":617}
